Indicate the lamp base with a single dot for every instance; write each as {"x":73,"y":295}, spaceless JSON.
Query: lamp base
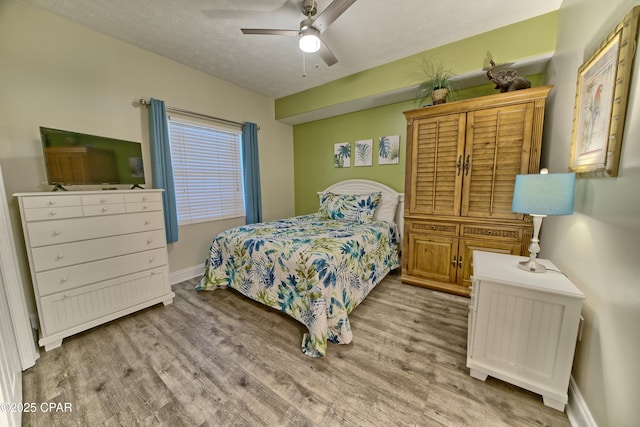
{"x":532,"y":265}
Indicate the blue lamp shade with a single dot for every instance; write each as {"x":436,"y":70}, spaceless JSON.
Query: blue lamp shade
{"x":544,"y":194}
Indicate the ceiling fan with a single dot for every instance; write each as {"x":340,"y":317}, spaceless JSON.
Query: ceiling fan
{"x":310,"y":28}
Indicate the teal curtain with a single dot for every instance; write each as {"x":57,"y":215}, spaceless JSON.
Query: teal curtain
{"x":161,"y":168}
{"x":251,"y":173}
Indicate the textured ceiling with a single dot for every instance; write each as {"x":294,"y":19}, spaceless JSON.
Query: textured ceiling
{"x":205,"y":34}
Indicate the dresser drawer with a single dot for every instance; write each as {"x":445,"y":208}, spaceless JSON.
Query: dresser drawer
{"x":70,"y":230}
{"x":434,"y":227}
{"x":66,"y":254}
{"x":506,"y":234}
{"x":40,"y":214}
{"x":106,"y":209}
{"x":144,"y":206}
{"x":140,"y":197}
{"x":102,"y":199}
{"x":78,"y":307}
{"x":51,"y":201}
{"x":61,"y":279}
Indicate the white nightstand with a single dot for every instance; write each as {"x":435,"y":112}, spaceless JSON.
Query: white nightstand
{"x":523,"y":326}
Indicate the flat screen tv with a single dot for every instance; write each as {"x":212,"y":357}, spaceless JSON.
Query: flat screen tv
{"x":74,"y":158}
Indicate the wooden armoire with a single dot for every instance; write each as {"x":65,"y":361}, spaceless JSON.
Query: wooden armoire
{"x":462,"y":162}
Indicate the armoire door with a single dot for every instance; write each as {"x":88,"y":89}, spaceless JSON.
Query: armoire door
{"x":436,"y":165}
{"x":497,"y":149}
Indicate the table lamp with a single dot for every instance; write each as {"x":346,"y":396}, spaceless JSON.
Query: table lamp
{"x":540,"y":195}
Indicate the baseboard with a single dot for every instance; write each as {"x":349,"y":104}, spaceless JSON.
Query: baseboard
{"x":186,"y":274}
{"x":577,"y":410}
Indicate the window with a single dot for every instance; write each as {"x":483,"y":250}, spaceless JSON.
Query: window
{"x":207,"y":170}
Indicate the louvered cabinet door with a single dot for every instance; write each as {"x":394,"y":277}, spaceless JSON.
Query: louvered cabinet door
{"x":497,"y":149}
{"x":436,"y":165}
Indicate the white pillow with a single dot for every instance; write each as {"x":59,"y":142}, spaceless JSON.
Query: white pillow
{"x":386,"y":209}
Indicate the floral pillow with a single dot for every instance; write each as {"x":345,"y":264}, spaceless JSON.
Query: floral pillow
{"x":349,"y":207}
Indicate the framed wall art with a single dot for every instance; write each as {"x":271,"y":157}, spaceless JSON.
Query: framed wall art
{"x":602,"y":92}
{"x":389,"y":150}
{"x":342,"y":155}
{"x":363,"y":152}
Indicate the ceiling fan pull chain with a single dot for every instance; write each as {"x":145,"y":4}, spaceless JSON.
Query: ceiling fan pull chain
{"x":304,"y":65}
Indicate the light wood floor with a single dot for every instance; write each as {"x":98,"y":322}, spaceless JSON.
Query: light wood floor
{"x":218,"y":358}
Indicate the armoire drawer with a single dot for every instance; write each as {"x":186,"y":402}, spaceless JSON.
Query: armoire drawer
{"x":66,"y":254}
{"x":61,"y":279}
{"x":434,"y":227}
{"x":70,"y":230}
{"x":496,"y":233}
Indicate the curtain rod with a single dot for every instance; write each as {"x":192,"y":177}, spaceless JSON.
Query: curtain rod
{"x":143,"y":101}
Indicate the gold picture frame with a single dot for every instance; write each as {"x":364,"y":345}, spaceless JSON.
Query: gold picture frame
{"x":601,"y":102}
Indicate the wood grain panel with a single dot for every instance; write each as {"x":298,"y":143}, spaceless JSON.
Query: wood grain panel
{"x":498,"y":143}
{"x":434,"y":180}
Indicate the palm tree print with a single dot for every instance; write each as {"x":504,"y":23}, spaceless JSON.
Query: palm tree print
{"x":342,"y":155}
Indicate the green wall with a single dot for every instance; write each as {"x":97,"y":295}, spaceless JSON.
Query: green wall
{"x":313,"y":142}
{"x":313,"y":145}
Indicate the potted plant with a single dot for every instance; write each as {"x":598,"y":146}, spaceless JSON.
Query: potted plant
{"x":437,"y":84}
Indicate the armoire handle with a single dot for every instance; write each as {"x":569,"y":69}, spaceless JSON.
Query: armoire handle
{"x":459,"y":164}
{"x":467,"y":165}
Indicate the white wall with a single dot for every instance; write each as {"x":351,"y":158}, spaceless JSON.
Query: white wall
{"x":57,"y":74}
{"x":599,"y":246}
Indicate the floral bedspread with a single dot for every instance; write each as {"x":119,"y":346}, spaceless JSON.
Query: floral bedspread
{"x":315,"y":270}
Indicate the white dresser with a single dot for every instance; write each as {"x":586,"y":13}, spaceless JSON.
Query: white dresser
{"x":94,"y":256}
{"x":523,"y":326}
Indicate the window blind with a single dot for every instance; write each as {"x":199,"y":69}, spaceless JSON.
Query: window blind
{"x":207,"y":170}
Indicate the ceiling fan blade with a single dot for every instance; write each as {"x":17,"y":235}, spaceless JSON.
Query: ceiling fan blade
{"x":331,"y":13}
{"x":327,"y":56}
{"x":264,"y":31}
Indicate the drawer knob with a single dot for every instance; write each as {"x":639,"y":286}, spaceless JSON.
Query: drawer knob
{"x":103,"y":210}
{"x":149,"y":241}
{"x":103,"y":201}
{"x":55,"y":233}
{"x":144,"y":198}
{"x":489,"y":232}
{"x":59,"y":257}
{"x":151,"y":260}
{"x":433,"y":227}
{"x":52,"y":202}
{"x":147,"y":222}
{"x":63,"y":279}
{"x":145,"y":207}
{"x":53,"y":213}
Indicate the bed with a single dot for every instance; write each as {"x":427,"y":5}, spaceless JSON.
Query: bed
{"x":318,"y":267}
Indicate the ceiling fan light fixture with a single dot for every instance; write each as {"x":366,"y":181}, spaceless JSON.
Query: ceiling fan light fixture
{"x":309,"y":42}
